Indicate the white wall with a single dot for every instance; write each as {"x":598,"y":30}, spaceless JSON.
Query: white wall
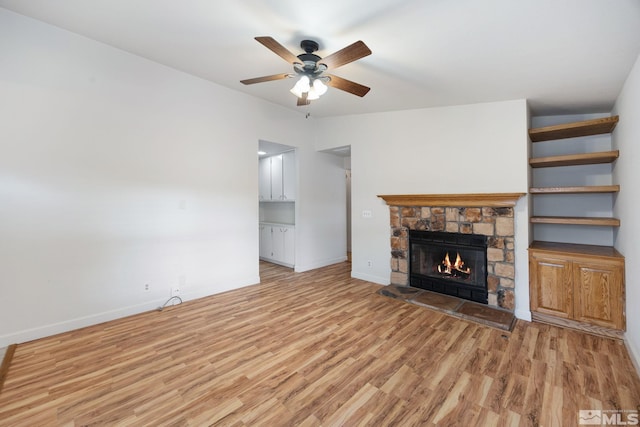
{"x":627,"y":204}
{"x":323,"y":241}
{"x":116,"y":172}
{"x":478,"y":148}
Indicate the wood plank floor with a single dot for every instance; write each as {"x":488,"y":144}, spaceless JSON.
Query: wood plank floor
{"x":311,"y":349}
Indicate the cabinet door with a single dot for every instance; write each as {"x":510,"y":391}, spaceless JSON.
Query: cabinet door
{"x":599,"y":293}
{"x":266,"y":241}
{"x":551,"y":287}
{"x":289,"y":175}
{"x":264,"y":179}
{"x":289,"y":237}
{"x":278,"y":244}
{"x":276,"y":178}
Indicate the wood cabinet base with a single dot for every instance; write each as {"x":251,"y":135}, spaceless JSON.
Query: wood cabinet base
{"x":578,"y":286}
{"x":580,"y":326}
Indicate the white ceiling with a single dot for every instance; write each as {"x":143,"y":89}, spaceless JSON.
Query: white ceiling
{"x":565,"y":56}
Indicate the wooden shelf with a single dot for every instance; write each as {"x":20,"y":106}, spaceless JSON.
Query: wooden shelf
{"x":572,"y":130}
{"x":575,"y":190}
{"x":568,"y":220}
{"x":576,"y":249}
{"x":575,"y":159}
{"x":467,"y":200}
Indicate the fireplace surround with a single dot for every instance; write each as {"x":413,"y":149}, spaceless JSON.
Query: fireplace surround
{"x":490,"y":215}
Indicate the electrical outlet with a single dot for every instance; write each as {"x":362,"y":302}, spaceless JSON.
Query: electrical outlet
{"x":147,"y":288}
{"x":175,"y":291}
{"x":369,"y":263}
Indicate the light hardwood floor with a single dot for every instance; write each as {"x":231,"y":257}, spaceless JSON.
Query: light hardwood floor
{"x":310,"y":349}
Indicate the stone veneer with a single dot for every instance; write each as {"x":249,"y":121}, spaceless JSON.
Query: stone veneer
{"x":494,"y":222}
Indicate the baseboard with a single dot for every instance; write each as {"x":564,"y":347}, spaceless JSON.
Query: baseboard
{"x":82,"y":322}
{"x":219,"y":288}
{"x":77,"y":323}
{"x":370,"y":278}
{"x":301,"y":268}
{"x":580,"y":326}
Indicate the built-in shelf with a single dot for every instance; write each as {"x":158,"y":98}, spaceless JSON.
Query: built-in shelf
{"x":575,"y":159}
{"x":575,"y":190}
{"x":573,"y":130}
{"x":574,"y":285}
{"x":568,"y":220}
{"x":577,"y":249}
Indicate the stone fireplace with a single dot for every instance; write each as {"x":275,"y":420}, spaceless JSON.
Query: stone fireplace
{"x":489,"y":216}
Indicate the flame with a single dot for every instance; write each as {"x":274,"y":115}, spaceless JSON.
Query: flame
{"x":446,"y":267}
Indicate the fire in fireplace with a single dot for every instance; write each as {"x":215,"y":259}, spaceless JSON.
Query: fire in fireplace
{"x":449,"y":263}
{"x":457,"y":269}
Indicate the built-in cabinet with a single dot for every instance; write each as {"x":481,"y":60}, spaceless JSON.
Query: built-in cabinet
{"x":277,"y":178}
{"x":576,"y":285}
{"x":580,"y":286}
{"x":277,"y":193}
{"x":277,"y":243}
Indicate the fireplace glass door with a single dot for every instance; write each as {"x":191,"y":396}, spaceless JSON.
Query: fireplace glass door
{"x":449,"y":263}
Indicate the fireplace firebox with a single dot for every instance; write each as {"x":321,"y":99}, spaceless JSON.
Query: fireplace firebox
{"x":449,"y":263}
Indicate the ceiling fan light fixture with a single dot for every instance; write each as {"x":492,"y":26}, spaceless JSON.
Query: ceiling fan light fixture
{"x":301,"y":86}
{"x":312,"y":95}
{"x":319,"y":87}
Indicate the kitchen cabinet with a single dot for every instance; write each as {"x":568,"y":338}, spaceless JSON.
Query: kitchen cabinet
{"x":277,"y":243}
{"x":289,"y":175}
{"x":579,"y":286}
{"x":277,"y":178}
{"x":264,"y":179}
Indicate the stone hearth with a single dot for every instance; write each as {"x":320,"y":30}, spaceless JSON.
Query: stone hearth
{"x":490,"y":215}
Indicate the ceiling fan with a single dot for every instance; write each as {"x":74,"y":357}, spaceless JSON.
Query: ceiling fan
{"x":310,"y":67}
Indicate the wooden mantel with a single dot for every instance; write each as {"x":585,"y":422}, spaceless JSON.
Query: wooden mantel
{"x":467,"y":200}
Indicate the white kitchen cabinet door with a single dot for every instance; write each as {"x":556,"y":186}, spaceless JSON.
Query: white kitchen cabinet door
{"x":283,"y":245}
{"x":266,"y":241}
{"x":289,"y":175}
{"x":289,"y":238}
{"x":276,"y":178}
{"x":264,"y":179}
{"x":278,"y":243}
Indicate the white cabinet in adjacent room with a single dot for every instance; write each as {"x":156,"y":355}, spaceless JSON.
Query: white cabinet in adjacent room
{"x":277,"y":193}
{"x":289,"y":175}
{"x":266,"y":242}
{"x":277,"y":177}
{"x":264,"y":179}
{"x":277,"y":244}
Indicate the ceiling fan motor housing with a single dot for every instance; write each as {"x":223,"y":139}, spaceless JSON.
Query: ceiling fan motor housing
{"x":309,"y":59}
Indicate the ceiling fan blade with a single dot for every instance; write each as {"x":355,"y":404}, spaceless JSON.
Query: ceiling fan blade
{"x":344,"y":56}
{"x":278,"y":49}
{"x":265,"y":79}
{"x":303,"y":101}
{"x":348,"y":86}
